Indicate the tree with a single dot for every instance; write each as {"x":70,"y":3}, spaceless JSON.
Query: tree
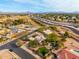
{"x":53,"y":39}
{"x":24,"y":38}
{"x":66,"y":34}
{"x":33,"y":43}
{"x":53,"y":27}
{"x":2,"y":39}
{"x":17,"y":22}
{"x":18,"y":43}
{"x":43,"y":51}
{"x":41,"y":29}
{"x":75,"y":20}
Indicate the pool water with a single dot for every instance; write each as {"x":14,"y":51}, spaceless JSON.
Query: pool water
{"x":76,"y":51}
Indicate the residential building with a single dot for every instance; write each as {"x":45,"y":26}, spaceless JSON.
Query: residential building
{"x":68,"y":54}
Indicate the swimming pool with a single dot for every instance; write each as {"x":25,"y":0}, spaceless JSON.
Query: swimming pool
{"x":76,"y":51}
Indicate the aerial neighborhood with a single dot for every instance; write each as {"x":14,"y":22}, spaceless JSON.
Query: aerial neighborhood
{"x":39,"y":36}
{"x":39,"y":29}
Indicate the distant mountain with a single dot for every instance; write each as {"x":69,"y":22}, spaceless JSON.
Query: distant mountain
{"x":27,"y":12}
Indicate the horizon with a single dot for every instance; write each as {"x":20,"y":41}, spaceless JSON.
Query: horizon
{"x":39,"y":6}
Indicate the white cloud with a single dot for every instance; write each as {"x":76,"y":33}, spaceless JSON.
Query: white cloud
{"x":33,"y":2}
{"x":62,"y":5}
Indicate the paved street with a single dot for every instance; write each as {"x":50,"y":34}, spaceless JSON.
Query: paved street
{"x":20,"y":52}
{"x":50,"y":22}
{"x":74,"y":30}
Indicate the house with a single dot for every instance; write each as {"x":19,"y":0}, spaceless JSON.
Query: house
{"x":40,"y":38}
{"x":31,"y":38}
{"x":47,"y":31}
{"x":62,"y":32}
{"x":68,"y":54}
{"x":37,"y":36}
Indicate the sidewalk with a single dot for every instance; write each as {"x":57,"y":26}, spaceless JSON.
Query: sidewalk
{"x":30,"y":52}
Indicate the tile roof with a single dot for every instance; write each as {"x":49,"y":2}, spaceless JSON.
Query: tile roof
{"x":67,"y":54}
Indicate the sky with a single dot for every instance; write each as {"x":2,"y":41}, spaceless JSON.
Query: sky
{"x":39,"y":5}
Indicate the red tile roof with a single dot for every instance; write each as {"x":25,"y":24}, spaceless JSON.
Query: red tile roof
{"x":64,"y":54}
